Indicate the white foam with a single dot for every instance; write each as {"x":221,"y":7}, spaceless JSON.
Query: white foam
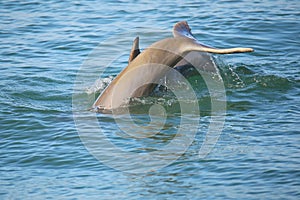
{"x":99,"y":85}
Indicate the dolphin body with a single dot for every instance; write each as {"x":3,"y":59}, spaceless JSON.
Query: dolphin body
{"x":148,"y":67}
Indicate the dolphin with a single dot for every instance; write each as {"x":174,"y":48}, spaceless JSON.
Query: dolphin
{"x":146,"y":68}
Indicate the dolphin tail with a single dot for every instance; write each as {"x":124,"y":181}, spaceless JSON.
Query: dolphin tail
{"x":182,"y":29}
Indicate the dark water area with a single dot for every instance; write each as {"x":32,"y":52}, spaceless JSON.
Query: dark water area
{"x":45,"y":44}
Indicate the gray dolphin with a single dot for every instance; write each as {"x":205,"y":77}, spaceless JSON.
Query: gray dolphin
{"x":148,"y":67}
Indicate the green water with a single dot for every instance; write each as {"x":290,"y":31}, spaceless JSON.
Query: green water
{"x":44,"y":46}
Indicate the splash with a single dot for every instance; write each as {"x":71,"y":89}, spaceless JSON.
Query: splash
{"x":99,"y":85}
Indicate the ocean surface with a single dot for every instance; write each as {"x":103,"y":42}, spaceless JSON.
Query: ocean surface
{"x":53,"y":146}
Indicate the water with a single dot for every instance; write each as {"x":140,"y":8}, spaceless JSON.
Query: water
{"x":44,"y":44}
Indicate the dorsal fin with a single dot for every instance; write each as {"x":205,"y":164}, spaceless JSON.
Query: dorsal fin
{"x":135,"y":50}
{"x":182,"y":29}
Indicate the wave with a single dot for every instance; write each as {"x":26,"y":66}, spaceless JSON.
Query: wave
{"x":241,"y":81}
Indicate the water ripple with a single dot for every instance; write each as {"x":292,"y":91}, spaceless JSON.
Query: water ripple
{"x":44,"y":43}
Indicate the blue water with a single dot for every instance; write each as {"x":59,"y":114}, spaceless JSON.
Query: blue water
{"x":45,"y":44}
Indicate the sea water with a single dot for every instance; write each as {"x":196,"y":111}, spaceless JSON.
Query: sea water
{"x":45,"y":46}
